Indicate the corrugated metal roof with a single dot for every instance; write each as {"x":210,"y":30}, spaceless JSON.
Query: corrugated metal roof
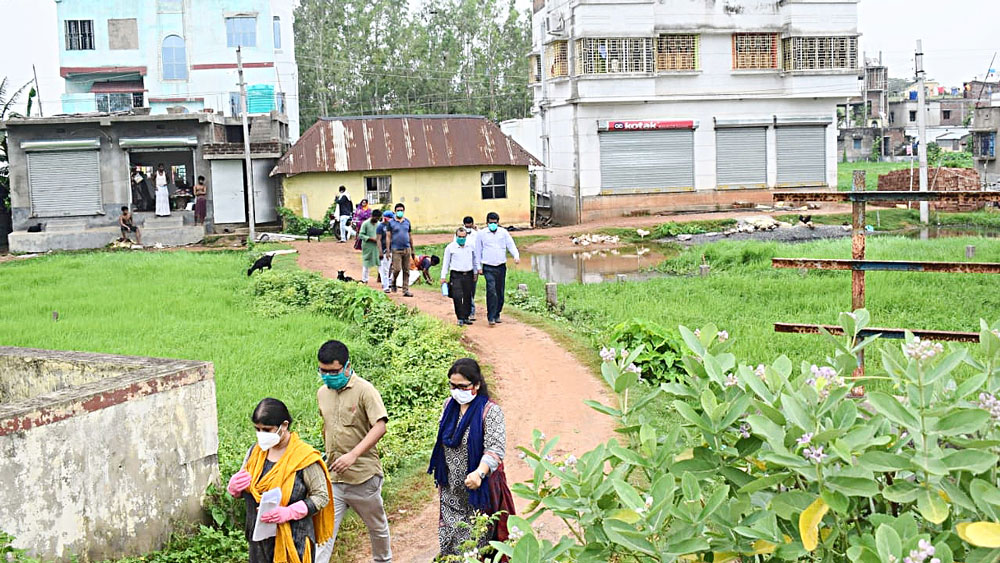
{"x":345,"y":144}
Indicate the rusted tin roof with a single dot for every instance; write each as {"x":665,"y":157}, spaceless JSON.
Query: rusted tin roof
{"x":345,"y":144}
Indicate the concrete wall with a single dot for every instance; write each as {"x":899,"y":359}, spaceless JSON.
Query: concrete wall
{"x":434,"y":197}
{"x":108,"y":453}
{"x":211,"y":63}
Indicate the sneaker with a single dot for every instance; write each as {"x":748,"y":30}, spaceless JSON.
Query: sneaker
{"x":407,"y":294}
{"x":388,"y":291}
{"x":492,"y":324}
{"x":472,"y":317}
{"x":498,"y":321}
{"x":461,"y":322}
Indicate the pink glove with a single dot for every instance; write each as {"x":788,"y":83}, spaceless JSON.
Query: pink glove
{"x":238,"y":483}
{"x":284,"y":514}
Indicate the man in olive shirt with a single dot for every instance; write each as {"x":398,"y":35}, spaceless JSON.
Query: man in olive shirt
{"x":354,"y":419}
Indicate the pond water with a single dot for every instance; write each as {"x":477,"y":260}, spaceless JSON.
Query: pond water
{"x":594,"y":266}
{"x":948,"y":232}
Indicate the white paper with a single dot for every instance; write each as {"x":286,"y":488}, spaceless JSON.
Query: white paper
{"x":268,"y":502}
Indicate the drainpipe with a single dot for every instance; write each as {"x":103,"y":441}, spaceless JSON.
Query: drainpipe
{"x":574,"y":92}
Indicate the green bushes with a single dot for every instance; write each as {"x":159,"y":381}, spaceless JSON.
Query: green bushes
{"x":780,"y":464}
{"x":295,"y":225}
{"x":660,"y":359}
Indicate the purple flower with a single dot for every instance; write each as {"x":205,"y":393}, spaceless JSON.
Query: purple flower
{"x":731,"y":380}
{"x":991,"y":404}
{"x":634,"y":369}
{"x":760,"y":371}
{"x":723,"y":336}
{"x":805,"y":439}
{"x":608,"y":354}
{"x":744,"y":430}
{"x":697,"y":332}
{"x":815,"y":454}
{"x":922,"y":350}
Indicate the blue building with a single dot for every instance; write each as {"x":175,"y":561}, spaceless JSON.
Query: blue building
{"x":176,"y":56}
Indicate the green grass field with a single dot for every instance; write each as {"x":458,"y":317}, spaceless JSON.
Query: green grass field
{"x":745,"y":296}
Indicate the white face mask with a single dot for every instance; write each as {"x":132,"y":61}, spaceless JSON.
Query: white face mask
{"x":463,"y":396}
{"x":267,"y":440}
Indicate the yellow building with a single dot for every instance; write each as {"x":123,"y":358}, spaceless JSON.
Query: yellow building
{"x":441,"y":168}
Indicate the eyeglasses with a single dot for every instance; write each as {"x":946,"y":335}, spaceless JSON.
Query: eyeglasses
{"x":322,"y":371}
{"x":465,"y":387}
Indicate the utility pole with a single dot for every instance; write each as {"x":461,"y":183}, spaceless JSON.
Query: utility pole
{"x":922,"y":129}
{"x":38,"y":92}
{"x":251,"y":209}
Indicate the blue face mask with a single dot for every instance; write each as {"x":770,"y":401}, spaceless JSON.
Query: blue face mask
{"x":493,"y":227}
{"x":335,"y":381}
{"x":460,"y":241}
{"x":399,"y":214}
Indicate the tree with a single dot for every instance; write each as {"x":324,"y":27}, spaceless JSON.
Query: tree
{"x":378,"y":57}
{"x":6,"y":111}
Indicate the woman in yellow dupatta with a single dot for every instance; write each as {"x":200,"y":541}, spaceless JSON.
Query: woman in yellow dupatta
{"x":280,"y":459}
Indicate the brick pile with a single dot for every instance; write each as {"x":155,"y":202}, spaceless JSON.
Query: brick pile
{"x":938,"y":179}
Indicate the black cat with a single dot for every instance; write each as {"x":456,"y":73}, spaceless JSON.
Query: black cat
{"x":261,"y":263}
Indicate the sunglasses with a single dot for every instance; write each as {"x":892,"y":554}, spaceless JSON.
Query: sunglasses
{"x":465,"y":387}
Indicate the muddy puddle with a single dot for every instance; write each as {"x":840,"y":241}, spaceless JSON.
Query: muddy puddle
{"x":593,"y":265}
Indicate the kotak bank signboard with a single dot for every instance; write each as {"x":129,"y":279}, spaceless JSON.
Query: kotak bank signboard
{"x":646,"y":125}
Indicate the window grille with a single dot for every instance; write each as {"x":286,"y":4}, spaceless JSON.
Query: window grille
{"x":111,"y":103}
{"x":820,"y":53}
{"x":241,"y":31}
{"x":878,"y":78}
{"x":494,"y":185}
{"x":378,"y":190}
{"x":557,"y":57}
{"x":614,"y":55}
{"x":534,"y":69}
{"x":79,"y":35}
{"x":984,"y":145}
{"x":677,"y":52}
{"x":138,"y":100}
{"x":755,"y":51}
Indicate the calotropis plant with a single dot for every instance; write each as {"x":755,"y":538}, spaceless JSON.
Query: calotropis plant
{"x":772,"y":463}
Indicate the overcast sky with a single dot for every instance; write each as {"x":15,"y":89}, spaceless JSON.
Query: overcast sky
{"x":958,"y":42}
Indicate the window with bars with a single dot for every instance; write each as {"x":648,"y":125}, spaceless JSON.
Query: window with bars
{"x":79,"y":35}
{"x":494,"y":185}
{"x":820,"y":53}
{"x":534,"y":69}
{"x":755,"y":51}
{"x":378,"y":190}
{"x":114,"y":102}
{"x":557,"y":58}
{"x":241,"y":31}
{"x":984,"y":145}
{"x":677,"y":52}
{"x":614,"y":55}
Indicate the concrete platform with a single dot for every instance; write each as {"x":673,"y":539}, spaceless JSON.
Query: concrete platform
{"x":168,"y":231}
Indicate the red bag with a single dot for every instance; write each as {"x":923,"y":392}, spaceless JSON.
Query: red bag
{"x":501,"y":499}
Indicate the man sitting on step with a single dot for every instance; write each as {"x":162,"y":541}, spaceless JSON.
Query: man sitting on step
{"x":127,"y":224}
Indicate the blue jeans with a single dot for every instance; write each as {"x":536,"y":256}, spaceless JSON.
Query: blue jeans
{"x":496,"y":280}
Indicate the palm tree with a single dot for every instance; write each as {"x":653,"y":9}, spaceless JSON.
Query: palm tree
{"x":6,"y":111}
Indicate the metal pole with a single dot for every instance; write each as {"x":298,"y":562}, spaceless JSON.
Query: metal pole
{"x":38,"y":92}
{"x":251,"y":209}
{"x":922,"y":128}
{"x":858,"y":253}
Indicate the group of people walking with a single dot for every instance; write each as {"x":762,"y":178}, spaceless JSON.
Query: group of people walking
{"x":315,"y":490}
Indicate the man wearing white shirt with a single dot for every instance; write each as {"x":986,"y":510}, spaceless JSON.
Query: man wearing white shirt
{"x":492,"y":246}
{"x":460,"y":263}
{"x":470,"y":234}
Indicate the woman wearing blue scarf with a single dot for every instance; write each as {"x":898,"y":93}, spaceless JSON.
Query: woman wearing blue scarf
{"x":471,"y":442}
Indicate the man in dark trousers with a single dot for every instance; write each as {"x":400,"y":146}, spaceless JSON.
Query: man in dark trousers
{"x":344,"y":210}
{"x":492,"y":245}
{"x":401,"y":244}
{"x":459,"y":270}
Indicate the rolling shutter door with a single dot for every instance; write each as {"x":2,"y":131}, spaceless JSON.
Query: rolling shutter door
{"x":741,"y":157}
{"x":647,"y":159}
{"x":64,"y":183}
{"x":801,"y":155}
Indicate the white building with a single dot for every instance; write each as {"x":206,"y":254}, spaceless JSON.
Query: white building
{"x":116,"y":55}
{"x":651,"y":105}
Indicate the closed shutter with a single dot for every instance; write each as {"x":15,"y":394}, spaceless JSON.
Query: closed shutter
{"x":741,"y":157}
{"x":64,"y":183}
{"x":801,"y":155}
{"x":635,"y":160}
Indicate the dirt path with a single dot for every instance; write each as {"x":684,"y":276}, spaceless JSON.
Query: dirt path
{"x":541,"y":385}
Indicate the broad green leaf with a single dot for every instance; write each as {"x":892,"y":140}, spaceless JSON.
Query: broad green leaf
{"x":985,"y":492}
{"x":983,"y":555}
{"x":628,"y":494}
{"x":628,"y":455}
{"x":974,"y":461}
{"x":685,"y":546}
{"x":783,"y":367}
{"x":763,"y":483}
{"x":901,"y":491}
{"x":714,"y":502}
{"x":972,"y":385}
{"x":931,"y":506}
{"x":845,"y":415}
{"x":689,"y":485}
{"x":692,"y":341}
{"x":527,"y":549}
{"x":965,"y":421}
{"x":755,"y":384}
{"x":790,"y":503}
{"x":957,"y":495}
{"x":624,"y":535}
{"x":887,"y":543}
{"x":837,"y":501}
{"x":690,"y":415}
{"x":736,"y":409}
{"x":945,"y":366}
{"x":853,"y":486}
{"x":678,"y":390}
{"x":625,"y":515}
{"x":625,"y":380}
{"x":883,"y":461}
{"x":809,"y":522}
{"x":929,"y":463}
{"x":769,"y":431}
{"x":797,"y":412}
{"x":772,"y":414}
{"x":889,"y":407}
{"x":603,"y":409}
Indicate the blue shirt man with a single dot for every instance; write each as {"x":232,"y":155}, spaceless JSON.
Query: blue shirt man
{"x":401,"y":245}
{"x":492,"y":246}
